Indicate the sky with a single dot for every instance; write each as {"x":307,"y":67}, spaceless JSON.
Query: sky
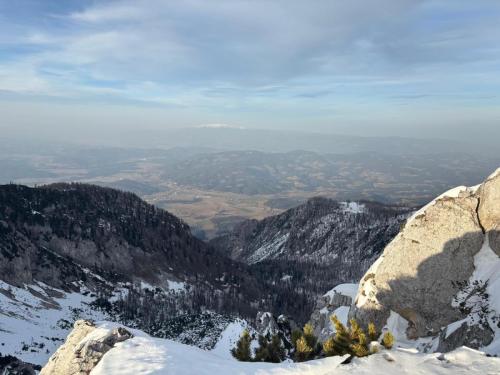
{"x":405,"y":67}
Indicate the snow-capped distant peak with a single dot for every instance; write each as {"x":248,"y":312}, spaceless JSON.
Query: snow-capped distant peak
{"x":219,"y":126}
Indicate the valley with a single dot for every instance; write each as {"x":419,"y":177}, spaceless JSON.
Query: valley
{"x":215,"y":189}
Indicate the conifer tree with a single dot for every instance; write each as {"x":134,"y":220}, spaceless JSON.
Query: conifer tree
{"x":242,"y":350}
{"x":270,"y":351}
{"x":302,"y":350}
{"x":309,"y":336}
{"x":262,"y":351}
{"x":276,"y":350}
{"x":360,"y":347}
{"x":296,"y":335}
{"x":329,"y":347}
{"x":372,"y":332}
{"x":355,"y":330}
{"x":388,"y":340}
{"x":342,"y":339}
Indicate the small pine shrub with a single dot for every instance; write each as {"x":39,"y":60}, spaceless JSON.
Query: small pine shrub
{"x":329,"y":347}
{"x":342,"y":339}
{"x":359,"y":348}
{"x":372,"y":332}
{"x":388,"y":340}
{"x":305,"y":343}
{"x":276,"y":350}
{"x":355,"y":330}
{"x":296,"y":334}
{"x":261,"y":352}
{"x":270,"y":351}
{"x":352,"y":340}
{"x":309,"y":336}
{"x":242,"y":350}
{"x":303,"y":351}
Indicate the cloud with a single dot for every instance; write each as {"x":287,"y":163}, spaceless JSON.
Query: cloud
{"x":282,"y":56}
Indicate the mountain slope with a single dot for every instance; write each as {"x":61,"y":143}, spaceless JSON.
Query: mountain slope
{"x":75,"y":250}
{"x":312,"y":246}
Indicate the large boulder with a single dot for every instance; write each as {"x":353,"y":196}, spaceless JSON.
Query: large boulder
{"x":418,"y":274}
{"x":432,"y":263}
{"x":83,"y":349}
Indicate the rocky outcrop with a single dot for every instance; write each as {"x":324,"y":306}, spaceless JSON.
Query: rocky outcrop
{"x":83,"y":349}
{"x":266,"y":324}
{"x":337,"y":301}
{"x":473,"y":336}
{"x":422,"y":270}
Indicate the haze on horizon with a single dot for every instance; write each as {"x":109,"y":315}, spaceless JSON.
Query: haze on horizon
{"x":424,"y":68}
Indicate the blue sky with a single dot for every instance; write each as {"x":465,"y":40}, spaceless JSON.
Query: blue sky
{"x":409,"y":67}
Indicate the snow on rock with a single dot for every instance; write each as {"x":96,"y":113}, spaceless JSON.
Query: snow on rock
{"x":494,"y":174}
{"x":176,"y":286}
{"x":348,"y":289}
{"x":336,"y":301}
{"x":269,"y":250}
{"x":486,"y":273}
{"x":146,"y":355}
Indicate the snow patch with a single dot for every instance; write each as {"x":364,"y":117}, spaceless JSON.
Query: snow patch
{"x":271,"y":249}
{"x":494,"y":174}
{"x":353,"y":207}
{"x":219,"y":126}
{"x":229,"y":337}
{"x":176,"y":286}
{"x":349,"y":290}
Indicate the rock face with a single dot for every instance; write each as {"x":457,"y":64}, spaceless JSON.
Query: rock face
{"x":83,"y":349}
{"x":335,"y":302}
{"x":422,"y":270}
{"x":488,"y":211}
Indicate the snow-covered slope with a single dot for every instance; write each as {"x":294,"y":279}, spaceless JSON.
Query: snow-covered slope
{"x":36,"y":319}
{"x":146,"y":355}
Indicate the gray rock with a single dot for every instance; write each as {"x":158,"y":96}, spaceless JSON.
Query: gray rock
{"x":417,"y":273}
{"x":474,"y":336}
{"x":80,"y":354}
{"x":325,"y":307}
{"x":265,"y":324}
